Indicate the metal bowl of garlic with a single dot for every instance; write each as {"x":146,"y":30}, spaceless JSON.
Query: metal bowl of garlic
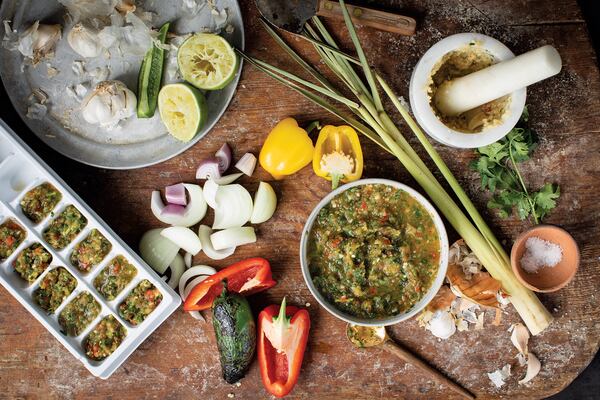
{"x":473,"y":129}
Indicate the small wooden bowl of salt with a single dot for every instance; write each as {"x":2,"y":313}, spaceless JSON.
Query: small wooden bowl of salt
{"x":545,"y":258}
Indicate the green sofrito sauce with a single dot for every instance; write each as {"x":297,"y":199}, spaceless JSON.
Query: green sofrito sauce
{"x":54,"y":288}
{"x":65,"y":227}
{"x":105,"y":338}
{"x":140,"y":302}
{"x":40,"y":201}
{"x":78,"y":314}
{"x":374,"y":251}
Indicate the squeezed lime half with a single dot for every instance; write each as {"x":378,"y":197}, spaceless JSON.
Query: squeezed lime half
{"x":182,"y":109}
{"x":207,"y":61}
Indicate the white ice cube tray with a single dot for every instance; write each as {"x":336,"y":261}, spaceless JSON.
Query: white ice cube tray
{"x":20,"y":171}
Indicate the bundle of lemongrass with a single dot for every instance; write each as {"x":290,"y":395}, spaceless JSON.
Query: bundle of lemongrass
{"x":371,"y":120}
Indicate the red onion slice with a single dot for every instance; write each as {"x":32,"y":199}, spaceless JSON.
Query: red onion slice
{"x":247,"y":163}
{"x":224,"y":157}
{"x":208,"y":169}
{"x":175,"y":194}
{"x":173,"y":209}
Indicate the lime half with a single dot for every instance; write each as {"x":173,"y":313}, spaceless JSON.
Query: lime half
{"x":182,"y":109}
{"x":207,"y":61}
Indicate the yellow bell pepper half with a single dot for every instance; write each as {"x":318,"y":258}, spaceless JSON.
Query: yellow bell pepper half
{"x":338,"y":155}
{"x":287,"y":150}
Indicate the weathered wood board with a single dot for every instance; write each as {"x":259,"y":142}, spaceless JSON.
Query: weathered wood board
{"x":180,"y":359}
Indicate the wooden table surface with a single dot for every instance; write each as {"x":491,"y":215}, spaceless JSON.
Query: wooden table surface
{"x":180,"y":359}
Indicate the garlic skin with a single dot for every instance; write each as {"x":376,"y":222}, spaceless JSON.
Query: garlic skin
{"x":442,"y":325}
{"x":108,"y":104}
{"x":39,"y":41}
{"x":84,"y":40}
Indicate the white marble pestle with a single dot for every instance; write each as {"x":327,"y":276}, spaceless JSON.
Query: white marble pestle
{"x":462,"y":94}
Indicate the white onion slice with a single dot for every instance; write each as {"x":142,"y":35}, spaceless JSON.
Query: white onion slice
{"x":193,"y":272}
{"x":157,"y":251}
{"x":204,"y":233}
{"x":265,"y":202}
{"x":187,"y":259}
{"x":246,"y":164}
{"x":185,"y":290}
{"x":233,"y":237}
{"x":184,"y":238}
{"x":194,"y":211}
{"x":234,"y":207}
{"x":210,"y":193}
{"x":227,"y":179}
{"x":177,"y":268}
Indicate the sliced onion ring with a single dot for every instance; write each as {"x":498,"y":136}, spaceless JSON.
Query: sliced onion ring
{"x":265,"y":202}
{"x":246,"y":164}
{"x":227,"y":179}
{"x":194,"y":211}
{"x":234,"y":207}
{"x":192,"y":272}
{"x":187,"y":259}
{"x":204,"y":233}
{"x":224,"y":157}
{"x":184,"y":290}
{"x":184,"y":238}
{"x":233,"y":237}
{"x":157,"y":251}
{"x":175,"y":194}
{"x":177,"y":268}
{"x":210,"y":193}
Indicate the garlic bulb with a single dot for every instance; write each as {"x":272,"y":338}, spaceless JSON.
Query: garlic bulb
{"x":442,"y":324}
{"x":39,"y":40}
{"x":83,"y":39}
{"x":109,"y":103}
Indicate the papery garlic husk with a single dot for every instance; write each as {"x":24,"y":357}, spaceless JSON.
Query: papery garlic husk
{"x":533,"y":368}
{"x":125,"y":6}
{"x":442,"y":324}
{"x":84,"y":40}
{"x":39,"y":41}
{"x":84,"y":9}
{"x":520,"y":338}
{"x":109,"y":103}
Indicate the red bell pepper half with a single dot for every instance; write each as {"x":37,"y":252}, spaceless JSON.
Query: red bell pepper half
{"x":282,"y":337}
{"x":245,"y":277}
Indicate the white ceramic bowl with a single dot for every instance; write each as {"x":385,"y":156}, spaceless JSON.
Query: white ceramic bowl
{"x":435,"y":286}
{"x":423,"y":112}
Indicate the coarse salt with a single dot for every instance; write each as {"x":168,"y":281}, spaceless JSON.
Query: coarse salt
{"x":540,"y":253}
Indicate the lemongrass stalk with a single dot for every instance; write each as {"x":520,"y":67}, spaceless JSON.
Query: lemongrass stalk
{"x":362,"y":57}
{"x":318,"y":76}
{"x":343,"y":63}
{"x":533,"y":313}
{"x":306,"y":83}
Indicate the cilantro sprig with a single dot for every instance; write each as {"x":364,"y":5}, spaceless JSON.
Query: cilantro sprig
{"x":498,"y":167}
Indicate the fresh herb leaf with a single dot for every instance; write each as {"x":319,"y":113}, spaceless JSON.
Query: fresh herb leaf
{"x":498,"y":168}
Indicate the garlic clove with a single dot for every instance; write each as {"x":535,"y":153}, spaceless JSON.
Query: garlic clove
{"x":39,"y":41}
{"x":108,"y":104}
{"x":84,"y":40}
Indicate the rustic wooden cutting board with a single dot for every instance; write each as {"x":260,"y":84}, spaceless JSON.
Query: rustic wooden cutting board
{"x":180,"y":360}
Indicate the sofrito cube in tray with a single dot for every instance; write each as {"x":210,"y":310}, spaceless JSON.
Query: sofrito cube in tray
{"x":11,"y":236}
{"x":69,"y":269}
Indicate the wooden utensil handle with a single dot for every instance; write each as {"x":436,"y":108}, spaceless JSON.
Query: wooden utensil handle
{"x":381,"y":20}
{"x":410,"y":358}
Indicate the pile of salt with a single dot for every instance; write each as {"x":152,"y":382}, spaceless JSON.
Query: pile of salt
{"x":540,"y":253}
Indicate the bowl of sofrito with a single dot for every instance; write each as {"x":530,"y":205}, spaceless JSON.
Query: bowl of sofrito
{"x":374,"y":252}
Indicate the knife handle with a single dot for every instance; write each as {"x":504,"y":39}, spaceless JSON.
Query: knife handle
{"x":381,"y":20}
